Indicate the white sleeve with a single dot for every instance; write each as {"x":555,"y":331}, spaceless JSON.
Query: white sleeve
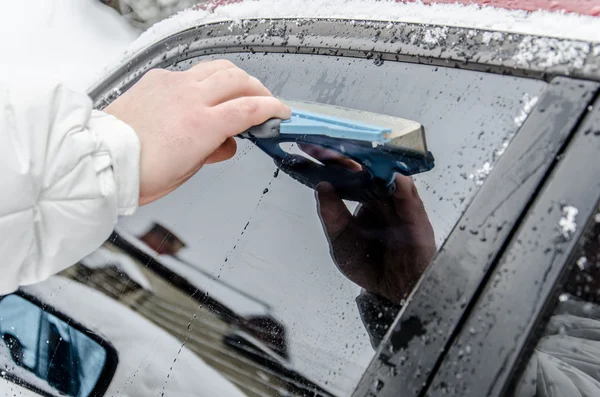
{"x":66,"y":173}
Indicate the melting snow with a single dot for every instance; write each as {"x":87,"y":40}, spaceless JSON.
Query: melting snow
{"x":543,"y":23}
{"x":481,"y":174}
{"x":567,"y":222}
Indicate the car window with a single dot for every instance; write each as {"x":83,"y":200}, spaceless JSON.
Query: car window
{"x":254,"y":271}
{"x":566,"y":356}
{"x":39,"y":350}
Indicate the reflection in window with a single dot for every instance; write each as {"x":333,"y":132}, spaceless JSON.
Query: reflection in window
{"x":334,"y":274}
{"x":566,"y":359}
{"x":45,"y":352}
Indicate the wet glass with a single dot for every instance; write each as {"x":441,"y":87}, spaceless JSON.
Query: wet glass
{"x":566,"y":357}
{"x":41,"y":351}
{"x":287,"y":289}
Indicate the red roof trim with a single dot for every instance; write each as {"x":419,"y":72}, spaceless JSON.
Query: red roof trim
{"x":583,"y":7}
{"x":210,"y":5}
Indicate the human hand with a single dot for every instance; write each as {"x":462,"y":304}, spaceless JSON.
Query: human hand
{"x":187,"y":119}
{"x":387,"y":244}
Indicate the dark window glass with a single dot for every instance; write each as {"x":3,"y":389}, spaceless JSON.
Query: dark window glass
{"x":288,"y":292}
{"x":46,"y":353}
{"x":566,"y":358}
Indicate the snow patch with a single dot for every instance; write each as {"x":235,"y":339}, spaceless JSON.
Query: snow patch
{"x":542,"y":23}
{"x":435,"y":36}
{"x":548,"y":52}
{"x":479,"y":175}
{"x":567,"y":221}
{"x":499,"y":152}
{"x":582,"y":262}
{"x":487,"y":37}
{"x":528,"y":105}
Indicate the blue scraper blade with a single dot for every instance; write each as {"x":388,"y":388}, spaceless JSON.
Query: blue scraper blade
{"x":308,"y":123}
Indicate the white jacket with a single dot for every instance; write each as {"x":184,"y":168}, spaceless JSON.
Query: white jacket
{"x":66,"y":173}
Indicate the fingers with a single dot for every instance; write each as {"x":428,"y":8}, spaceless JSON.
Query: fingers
{"x":405,"y":187}
{"x":204,"y":69}
{"x":242,"y":113}
{"x":224,"y":152}
{"x":228,"y":84}
{"x":349,"y":248}
{"x":333,"y":213}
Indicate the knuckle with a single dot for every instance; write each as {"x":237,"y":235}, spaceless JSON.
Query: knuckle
{"x":258,"y":85}
{"x":157,"y":73}
{"x":233,"y":76}
{"x":256,"y":81}
{"x":225,"y":64}
{"x":249,"y":108}
{"x":238,"y":74}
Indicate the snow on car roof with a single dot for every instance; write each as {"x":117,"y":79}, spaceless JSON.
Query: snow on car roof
{"x":557,"y":24}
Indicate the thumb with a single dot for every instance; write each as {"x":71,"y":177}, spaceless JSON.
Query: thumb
{"x":332,"y":211}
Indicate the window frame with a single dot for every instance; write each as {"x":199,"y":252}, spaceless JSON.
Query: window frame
{"x":112,"y":356}
{"x":426,"y":327}
{"x":433,"y":316}
{"x":528,"y":279}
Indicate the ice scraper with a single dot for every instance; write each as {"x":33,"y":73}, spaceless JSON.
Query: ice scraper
{"x":382,"y":145}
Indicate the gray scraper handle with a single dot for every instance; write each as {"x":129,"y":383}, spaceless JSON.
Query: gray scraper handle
{"x":268,"y":129}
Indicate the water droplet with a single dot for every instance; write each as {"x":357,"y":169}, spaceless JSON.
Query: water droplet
{"x":563,"y":297}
